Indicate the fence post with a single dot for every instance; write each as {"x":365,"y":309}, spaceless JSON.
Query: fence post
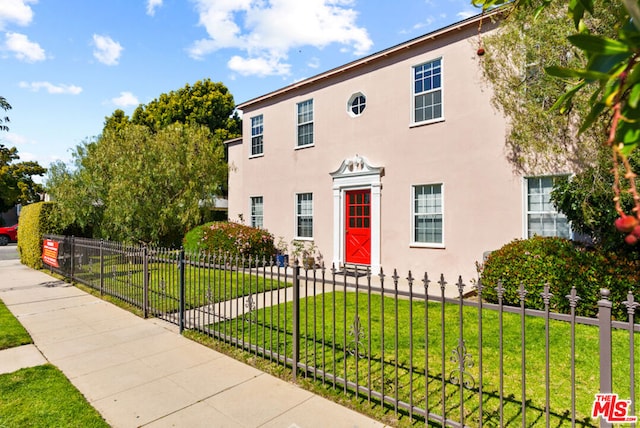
{"x":101,"y":268}
{"x":73,"y":257}
{"x":296,"y":319}
{"x":182,"y":286}
{"x":604,"y":327}
{"x":145,"y":282}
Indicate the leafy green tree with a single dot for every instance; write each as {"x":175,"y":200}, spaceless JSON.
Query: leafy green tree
{"x":205,"y":103}
{"x":4,"y":105}
{"x":609,"y":73}
{"x":540,"y":140}
{"x":135,"y":185}
{"x":147,"y":178}
{"x":16,"y":178}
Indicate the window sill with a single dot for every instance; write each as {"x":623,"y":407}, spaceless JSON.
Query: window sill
{"x":426,"y":122}
{"x":304,"y":147}
{"x":427,"y":245}
{"x":261,"y":155}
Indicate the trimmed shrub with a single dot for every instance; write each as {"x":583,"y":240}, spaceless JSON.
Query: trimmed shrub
{"x":233,"y":238}
{"x":35,"y":221}
{"x":562,"y":264}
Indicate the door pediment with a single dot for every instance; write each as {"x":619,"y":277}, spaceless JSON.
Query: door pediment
{"x":356,"y":166}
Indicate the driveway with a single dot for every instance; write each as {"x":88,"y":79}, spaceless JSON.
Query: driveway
{"x":9,"y":252}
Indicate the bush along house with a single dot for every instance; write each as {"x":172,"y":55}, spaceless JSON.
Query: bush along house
{"x":395,"y":160}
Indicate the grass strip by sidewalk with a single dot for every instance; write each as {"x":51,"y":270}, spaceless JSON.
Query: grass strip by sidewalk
{"x":13,"y":333}
{"x":39,"y":396}
{"x":43,"y":397}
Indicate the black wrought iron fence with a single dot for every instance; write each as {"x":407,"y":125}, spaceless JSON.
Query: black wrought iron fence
{"x":399,"y":342}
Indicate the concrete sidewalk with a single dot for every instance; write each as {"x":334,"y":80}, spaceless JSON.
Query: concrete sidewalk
{"x":139,"y":372}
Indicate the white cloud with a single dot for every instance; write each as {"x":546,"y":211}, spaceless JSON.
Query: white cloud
{"x":266,"y":31}
{"x":314,"y":63}
{"x":107,"y":51}
{"x":126,"y":99}
{"x":23,"y":48}
{"x":51,"y":88}
{"x":152,"y":5}
{"x":16,"y":12}
{"x":468,"y":13}
{"x":267,"y":66}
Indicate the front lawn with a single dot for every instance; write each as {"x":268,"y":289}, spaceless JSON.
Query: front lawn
{"x":12,"y":332}
{"x":43,"y":397}
{"x":376,"y":339}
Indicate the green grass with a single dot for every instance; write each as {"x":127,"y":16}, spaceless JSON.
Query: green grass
{"x":329,"y":342}
{"x":202,"y":285}
{"x":13,"y":333}
{"x":43,"y":397}
{"x":38,"y":396}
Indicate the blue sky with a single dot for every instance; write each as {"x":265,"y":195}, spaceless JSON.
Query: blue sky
{"x":65,"y":65}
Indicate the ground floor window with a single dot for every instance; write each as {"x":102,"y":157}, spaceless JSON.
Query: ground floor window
{"x":542,"y":217}
{"x":428,"y":214}
{"x":257,"y":211}
{"x":304,"y":215}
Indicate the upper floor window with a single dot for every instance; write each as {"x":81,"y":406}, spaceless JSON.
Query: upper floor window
{"x":427,"y":91}
{"x":257,"y":211}
{"x":428,"y":214}
{"x":257,"y":129}
{"x":542,"y":217}
{"x":304,"y":215}
{"x":305,"y":123}
{"x":356,"y":104}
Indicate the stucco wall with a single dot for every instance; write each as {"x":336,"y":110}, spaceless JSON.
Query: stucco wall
{"x":483,"y":202}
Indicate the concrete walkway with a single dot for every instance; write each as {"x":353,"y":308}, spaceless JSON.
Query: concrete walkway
{"x":139,"y":372}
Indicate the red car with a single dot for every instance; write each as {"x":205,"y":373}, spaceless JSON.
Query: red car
{"x":8,"y":234}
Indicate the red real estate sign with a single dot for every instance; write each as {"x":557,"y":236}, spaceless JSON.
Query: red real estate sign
{"x":50,"y":253}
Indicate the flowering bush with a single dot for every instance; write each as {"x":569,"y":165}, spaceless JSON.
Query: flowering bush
{"x":237,"y":239}
{"x":562,"y":264}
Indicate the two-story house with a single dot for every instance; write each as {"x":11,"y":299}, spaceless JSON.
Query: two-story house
{"x":394,"y":160}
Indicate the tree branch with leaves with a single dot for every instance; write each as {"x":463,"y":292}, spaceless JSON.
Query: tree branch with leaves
{"x":609,"y":72}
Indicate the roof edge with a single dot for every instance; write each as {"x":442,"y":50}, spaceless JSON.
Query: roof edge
{"x":373,"y":57}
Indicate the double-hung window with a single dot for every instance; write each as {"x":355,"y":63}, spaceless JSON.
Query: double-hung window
{"x":427,"y":91}
{"x":304,"y":215}
{"x":305,"y":123}
{"x":428,"y":215}
{"x":542,"y":217}
{"x":257,"y":211}
{"x":257,"y":129}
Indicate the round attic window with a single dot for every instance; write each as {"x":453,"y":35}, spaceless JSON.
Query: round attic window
{"x":356,"y":104}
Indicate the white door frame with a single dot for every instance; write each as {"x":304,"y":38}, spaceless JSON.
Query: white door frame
{"x":356,"y":173}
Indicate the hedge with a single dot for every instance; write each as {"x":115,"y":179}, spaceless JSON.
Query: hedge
{"x":234,"y":238}
{"x":35,"y":220}
{"x":562,"y":264}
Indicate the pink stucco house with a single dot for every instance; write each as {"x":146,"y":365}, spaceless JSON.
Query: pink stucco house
{"x":394,"y":160}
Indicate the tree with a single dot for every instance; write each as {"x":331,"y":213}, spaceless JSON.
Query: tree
{"x":539,"y":140}
{"x":205,"y":103}
{"x":16,"y":179}
{"x":4,"y":105}
{"x":147,"y":178}
{"x":609,"y":72}
{"x":139,"y":186}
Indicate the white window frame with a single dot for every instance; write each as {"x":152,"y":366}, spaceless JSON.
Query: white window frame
{"x":414,"y":214}
{"x":257,"y":219}
{"x":361,"y":106}
{"x":299,"y":215}
{"x":258,"y":128}
{"x":415,"y":94}
{"x":527,"y":211}
{"x":300,"y":124}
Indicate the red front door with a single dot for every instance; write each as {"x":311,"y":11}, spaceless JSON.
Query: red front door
{"x":358,"y":227}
